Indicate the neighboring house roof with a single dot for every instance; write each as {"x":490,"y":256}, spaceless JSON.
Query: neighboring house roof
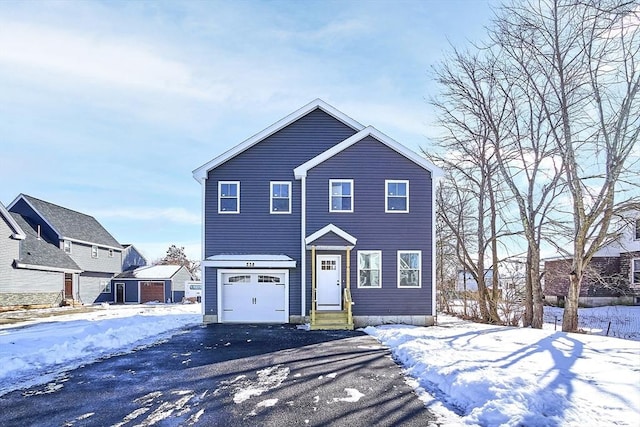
{"x":301,"y":171}
{"x":70,"y":224}
{"x":36,"y":253}
{"x":151,"y":272}
{"x":18,"y":233}
{"x":200,"y":174}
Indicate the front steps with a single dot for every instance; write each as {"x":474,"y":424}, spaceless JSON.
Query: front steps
{"x":332,"y":320}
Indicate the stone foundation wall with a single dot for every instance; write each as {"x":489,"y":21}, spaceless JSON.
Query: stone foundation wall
{"x":50,"y":299}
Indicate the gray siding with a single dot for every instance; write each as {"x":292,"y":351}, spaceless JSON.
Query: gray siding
{"x":21,"y":286}
{"x":254,"y":229}
{"x":179,"y":278}
{"x":89,"y":288}
{"x":81,"y":254}
{"x":369,"y":163}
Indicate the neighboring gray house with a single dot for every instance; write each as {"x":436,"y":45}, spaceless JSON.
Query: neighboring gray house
{"x":132,"y":258}
{"x":161,"y":283}
{"x":78,"y":254}
{"x":32,"y":270}
{"x":318,"y":219}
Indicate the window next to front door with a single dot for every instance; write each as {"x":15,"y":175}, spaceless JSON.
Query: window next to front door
{"x":409,"y":269}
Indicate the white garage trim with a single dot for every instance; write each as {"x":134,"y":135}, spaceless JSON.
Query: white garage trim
{"x":252,"y":272}
{"x":249,"y":261}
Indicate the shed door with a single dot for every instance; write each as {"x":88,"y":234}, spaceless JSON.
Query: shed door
{"x":254,"y":297}
{"x":151,"y":291}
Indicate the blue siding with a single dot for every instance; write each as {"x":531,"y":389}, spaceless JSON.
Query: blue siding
{"x":369,"y":163}
{"x":254,"y":229}
{"x":46,"y":232}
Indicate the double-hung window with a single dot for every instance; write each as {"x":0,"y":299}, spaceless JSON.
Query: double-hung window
{"x":396,"y":197}
{"x":637,"y":234}
{"x":635,"y":272}
{"x":340,"y":195}
{"x":228,"y":197}
{"x":280,"y":197}
{"x":94,"y":252}
{"x":409,"y":269}
{"x":66,"y":245}
{"x":369,"y":269}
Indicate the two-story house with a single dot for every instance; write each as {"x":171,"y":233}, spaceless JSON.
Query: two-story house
{"x":318,"y":219}
{"x":613,"y":275}
{"x":77,"y":252}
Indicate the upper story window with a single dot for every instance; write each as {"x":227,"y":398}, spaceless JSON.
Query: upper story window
{"x":340,"y":195}
{"x":66,"y":246}
{"x":280,"y":197}
{"x":94,"y":252}
{"x":369,"y":269}
{"x":635,"y":272}
{"x":228,"y":196}
{"x":409,"y":269}
{"x":396,"y":197}
{"x":637,"y":228}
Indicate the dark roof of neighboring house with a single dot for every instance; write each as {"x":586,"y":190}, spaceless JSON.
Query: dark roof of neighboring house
{"x":36,"y":251}
{"x":71,"y":224}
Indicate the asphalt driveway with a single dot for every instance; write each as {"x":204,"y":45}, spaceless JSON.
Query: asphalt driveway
{"x":230,"y":375}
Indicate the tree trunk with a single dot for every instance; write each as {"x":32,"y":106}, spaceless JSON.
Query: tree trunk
{"x":570,"y":315}
{"x":528,"y":296}
{"x":536,"y":288}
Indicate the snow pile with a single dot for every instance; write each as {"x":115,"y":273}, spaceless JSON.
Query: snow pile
{"x":491,"y":375}
{"x":35,"y":351}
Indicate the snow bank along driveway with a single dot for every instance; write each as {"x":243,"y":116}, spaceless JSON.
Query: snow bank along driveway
{"x":490,"y":375}
{"x":36,"y":351}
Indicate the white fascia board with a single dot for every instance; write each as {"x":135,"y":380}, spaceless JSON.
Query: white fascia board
{"x":45,"y":268}
{"x":331,"y":229}
{"x":18,"y":233}
{"x":330,"y":248}
{"x":42,"y":217}
{"x":200,"y":174}
{"x":301,"y":171}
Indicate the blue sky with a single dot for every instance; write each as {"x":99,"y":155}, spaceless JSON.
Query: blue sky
{"x":107,"y":107}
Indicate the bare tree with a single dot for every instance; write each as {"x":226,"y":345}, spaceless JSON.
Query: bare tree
{"x":580,"y":60}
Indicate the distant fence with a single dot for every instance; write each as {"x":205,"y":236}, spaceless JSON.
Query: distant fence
{"x":614,"y":321}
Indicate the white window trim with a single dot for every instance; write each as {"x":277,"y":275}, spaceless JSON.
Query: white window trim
{"x":271,"y":184}
{"x":633,"y":271}
{"x":386,"y":195}
{"x":94,"y":252}
{"x":110,"y":253}
{"x":220,"y":211}
{"x":105,"y":286}
{"x":350,"y":181}
{"x":64,"y":248}
{"x":379,"y":270}
{"x":419,"y":269}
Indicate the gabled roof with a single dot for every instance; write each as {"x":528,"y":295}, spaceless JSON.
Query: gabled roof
{"x":301,"y":171}
{"x":200,"y":174}
{"x":152,"y":272}
{"x":328,"y":229}
{"x":38,"y":254}
{"x":18,"y":233}
{"x":69,"y":224}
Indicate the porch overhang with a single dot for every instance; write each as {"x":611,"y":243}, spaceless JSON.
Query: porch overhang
{"x":348,"y":239}
{"x":250,"y":261}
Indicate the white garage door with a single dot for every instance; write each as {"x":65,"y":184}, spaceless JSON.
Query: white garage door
{"x":254,"y":296}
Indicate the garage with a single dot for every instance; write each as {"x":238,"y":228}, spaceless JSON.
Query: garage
{"x":151,"y":291}
{"x":253,"y":296}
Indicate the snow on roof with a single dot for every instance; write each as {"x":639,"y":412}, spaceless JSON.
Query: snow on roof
{"x":156,"y":271}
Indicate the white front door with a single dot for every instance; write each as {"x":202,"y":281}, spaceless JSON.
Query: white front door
{"x":329,"y":286}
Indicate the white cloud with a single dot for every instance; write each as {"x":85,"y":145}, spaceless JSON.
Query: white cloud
{"x":175,"y":215}
{"x":96,"y":59}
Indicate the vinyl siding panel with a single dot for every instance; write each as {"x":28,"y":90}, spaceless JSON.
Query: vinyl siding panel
{"x":81,"y":254}
{"x":21,"y":286}
{"x":369,"y":163}
{"x":255,"y":229}
{"x":89,"y":287}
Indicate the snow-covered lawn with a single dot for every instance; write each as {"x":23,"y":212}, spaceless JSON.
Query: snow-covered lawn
{"x":477,"y":374}
{"x":35,"y":351}
{"x":467,"y":373}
